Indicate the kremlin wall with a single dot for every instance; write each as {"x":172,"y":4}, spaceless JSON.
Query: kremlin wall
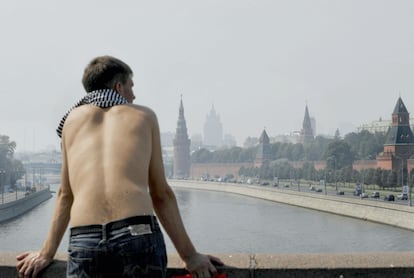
{"x":398,"y":152}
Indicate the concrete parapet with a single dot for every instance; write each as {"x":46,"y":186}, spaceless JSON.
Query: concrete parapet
{"x":391,"y":214}
{"x":393,"y":264}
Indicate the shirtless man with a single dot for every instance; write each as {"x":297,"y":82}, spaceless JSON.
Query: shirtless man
{"x":112,"y":182}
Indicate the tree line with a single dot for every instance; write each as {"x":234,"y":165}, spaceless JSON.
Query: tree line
{"x":11,"y":169}
{"x":339,"y":155}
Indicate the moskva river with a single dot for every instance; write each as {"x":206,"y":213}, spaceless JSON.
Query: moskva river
{"x":228,"y":223}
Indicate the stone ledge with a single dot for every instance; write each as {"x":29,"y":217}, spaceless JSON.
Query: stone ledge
{"x":385,"y":264}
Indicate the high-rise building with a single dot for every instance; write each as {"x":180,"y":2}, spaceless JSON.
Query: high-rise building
{"x":213,"y":130}
{"x":181,"y":147}
{"x":306,"y":134}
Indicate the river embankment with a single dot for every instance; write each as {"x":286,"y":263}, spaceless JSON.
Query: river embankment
{"x":10,"y":210}
{"x":380,"y":212}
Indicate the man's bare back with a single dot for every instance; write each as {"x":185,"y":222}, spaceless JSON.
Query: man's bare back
{"x":108,"y":152}
{"x":112,"y":171}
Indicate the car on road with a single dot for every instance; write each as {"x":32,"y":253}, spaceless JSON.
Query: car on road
{"x":358,"y":191}
{"x":389,"y":197}
{"x":402,"y":196}
{"x":375,"y":194}
{"x":340,"y":193}
{"x":318,"y":190}
{"x":363,"y":195}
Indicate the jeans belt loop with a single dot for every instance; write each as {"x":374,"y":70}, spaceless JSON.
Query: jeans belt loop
{"x":105,"y":232}
{"x":153,"y":223}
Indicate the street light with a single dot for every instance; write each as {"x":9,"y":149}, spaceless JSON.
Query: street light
{"x":336,"y":183}
{"x":15,"y":173}
{"x":409,"y":190}
{"x":2,"y":172}
{"x":334,"y":159}
{"x":324,"y":182}
{"x":362,"y":179}
{"x":402,"y":179}
{"x":402,"y":175}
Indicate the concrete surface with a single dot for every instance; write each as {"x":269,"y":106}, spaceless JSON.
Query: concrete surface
{"x":393,"y":264}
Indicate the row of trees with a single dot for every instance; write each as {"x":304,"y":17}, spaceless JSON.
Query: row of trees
{"x":11,"y":169}
{"x":282,"y":169}
{"x":354,"y":146}
{"x":338,"y":153}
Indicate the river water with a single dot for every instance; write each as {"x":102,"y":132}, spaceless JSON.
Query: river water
{"x":228,"y":223}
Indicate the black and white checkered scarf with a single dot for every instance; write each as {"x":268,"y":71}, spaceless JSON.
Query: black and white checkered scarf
{"x":102,"y":98}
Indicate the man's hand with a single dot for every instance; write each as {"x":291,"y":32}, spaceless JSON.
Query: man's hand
{"x":30,"y":264}
{"x":202,"y":266}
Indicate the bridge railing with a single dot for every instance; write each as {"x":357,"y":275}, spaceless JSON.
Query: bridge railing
{"x":378,"y":265}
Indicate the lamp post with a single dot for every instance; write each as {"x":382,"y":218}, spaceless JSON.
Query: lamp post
{"x":15,"y":173}
{"x":2,"y":172}
{"x":14,"y":178}
{"x":409,"y":190}
{"x":402,"y":179}
{"x":363,"y":181}
{"x":336,"y":184}
{"x":402,"y":173}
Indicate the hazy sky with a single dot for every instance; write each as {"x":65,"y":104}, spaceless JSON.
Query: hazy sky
{"x":259,"y":62}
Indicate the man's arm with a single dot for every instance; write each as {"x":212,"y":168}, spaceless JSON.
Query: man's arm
{"x":31,"y":263}
{"x":166,"y":208}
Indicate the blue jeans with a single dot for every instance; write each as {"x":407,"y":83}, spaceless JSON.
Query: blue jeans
{"x":136,"y":250}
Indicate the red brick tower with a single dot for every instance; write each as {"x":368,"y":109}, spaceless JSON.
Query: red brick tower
{"x":264,"y":150}
{"x":306,"y":134}
{"x":399,"y":142}
{"x":181,"y":147}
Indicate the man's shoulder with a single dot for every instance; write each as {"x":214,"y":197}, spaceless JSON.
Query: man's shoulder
{"x":89,"y":110}
{"x":135,"y":110}
{"x":93,"y":115}
{"x":139,"y":108}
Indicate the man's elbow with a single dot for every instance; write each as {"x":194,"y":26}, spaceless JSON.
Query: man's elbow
{"x":163,"y":196}
{"x":65,"y":196}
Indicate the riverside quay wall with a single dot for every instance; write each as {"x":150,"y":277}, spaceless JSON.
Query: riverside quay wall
{"x":10,"y":210}
{"x":401,"y":216}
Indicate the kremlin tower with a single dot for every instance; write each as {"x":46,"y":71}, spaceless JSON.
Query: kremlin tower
{"x":181,"y":147}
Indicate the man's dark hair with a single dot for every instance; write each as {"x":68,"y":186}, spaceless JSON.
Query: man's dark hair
{"x":104,"y":72}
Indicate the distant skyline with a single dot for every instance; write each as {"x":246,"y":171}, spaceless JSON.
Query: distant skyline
{"x":258,"y":62}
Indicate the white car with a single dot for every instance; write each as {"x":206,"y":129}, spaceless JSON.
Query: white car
{"x":402,"y":196}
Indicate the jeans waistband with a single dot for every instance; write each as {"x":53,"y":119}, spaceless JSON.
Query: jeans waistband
{"x":115,"y":225}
